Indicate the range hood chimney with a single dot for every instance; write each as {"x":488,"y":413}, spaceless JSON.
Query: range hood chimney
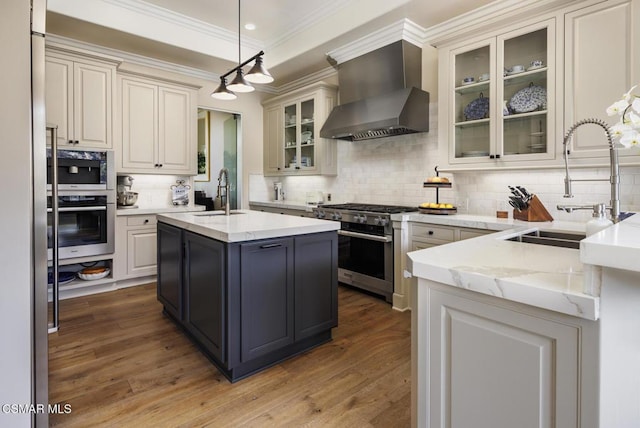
{"x":380,"y":95}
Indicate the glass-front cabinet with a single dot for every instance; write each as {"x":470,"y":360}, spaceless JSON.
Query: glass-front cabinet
{"x":292,"y":125}
{"x":499,"y":87}
{"x":299,"y":135}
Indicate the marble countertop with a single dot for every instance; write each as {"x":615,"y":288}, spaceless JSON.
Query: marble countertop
{"x":246,"y":225}
{"x":487,"y":222}
{"x":157,"y":210}
{"x":291,"y":205}
{"x":538,"y":275}
{"x":617,"y":246}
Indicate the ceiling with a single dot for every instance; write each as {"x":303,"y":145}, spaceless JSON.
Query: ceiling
{"x":203,"y":34}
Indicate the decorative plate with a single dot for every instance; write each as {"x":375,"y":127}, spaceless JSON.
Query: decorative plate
{"x":529,"y":99}
{"x":92,"y":276}
{"x":63,"y":277}
{"x":477,"y":109}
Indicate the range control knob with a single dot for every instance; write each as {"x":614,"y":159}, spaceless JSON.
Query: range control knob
{"x":379,"y":221}
{"x":320,"y":214}
{"x":336,"y":216}
{"x":362,"y":219}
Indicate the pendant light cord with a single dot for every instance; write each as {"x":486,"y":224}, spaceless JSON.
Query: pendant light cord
{"x":239,"y":57}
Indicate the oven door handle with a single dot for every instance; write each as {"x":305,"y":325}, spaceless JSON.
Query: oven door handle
{"x":69,"y":209}
{"x":365,"y":236}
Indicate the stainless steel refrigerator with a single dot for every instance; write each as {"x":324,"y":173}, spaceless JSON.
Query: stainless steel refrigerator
{"x":40,"y":394}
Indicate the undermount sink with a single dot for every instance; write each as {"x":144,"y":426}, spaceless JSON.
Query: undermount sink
{"x":218,"y":213}
{"x":554,"y":239}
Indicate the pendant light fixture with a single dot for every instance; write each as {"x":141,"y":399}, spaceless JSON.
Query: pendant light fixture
{"x":257,"y":74}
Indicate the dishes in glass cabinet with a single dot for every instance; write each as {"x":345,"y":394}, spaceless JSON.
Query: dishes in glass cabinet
{"x":477,"y":109}
{"x":529,"y":99}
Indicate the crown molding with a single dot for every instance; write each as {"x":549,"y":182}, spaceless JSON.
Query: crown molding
{"x":328,"y":8}
{"x":484,"y":18}
{"x":84,"y":48}
{"x":306,"y":80}
{"x":404,"y":29}
{"x":160,"y":13}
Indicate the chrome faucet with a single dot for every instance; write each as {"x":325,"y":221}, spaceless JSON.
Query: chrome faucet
{"x":224,"y":174}
{"x":614,"y":177}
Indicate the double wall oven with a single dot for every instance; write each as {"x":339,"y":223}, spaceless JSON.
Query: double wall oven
{"x":85,"y":209}
{"x":365,"y":248}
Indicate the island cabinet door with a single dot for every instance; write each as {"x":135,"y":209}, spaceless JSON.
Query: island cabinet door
{"x":205,"y":292}
{"x":266,"y":297}
{"x":169,"y":281}
{"x":316,"y":284}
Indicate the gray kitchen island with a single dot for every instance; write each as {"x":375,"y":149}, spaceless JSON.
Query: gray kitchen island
{"x":250,"y":289}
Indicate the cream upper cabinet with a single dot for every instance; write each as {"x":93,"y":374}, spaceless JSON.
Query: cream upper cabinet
{"x":292,"y":123}
{"x":79,"y":99}
{"x":601,"y":64}
{"x":158,"y":127}
{"x":588,"y":60}
{"x":494,"y":97}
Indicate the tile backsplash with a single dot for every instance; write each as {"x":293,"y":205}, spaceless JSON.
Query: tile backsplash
{"x":392,"y":170}
{"x":155,"y":190}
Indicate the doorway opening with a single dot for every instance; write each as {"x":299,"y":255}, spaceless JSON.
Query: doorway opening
{"x":219,"y":146}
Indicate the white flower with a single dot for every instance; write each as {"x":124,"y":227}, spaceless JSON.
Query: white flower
{"x":627,"y":130}
{"x":631,"y":138}
{"x":627,"y":96}
{"x":617,"y":108}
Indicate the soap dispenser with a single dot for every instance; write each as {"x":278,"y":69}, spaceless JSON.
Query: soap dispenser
{"x":599,"y":220}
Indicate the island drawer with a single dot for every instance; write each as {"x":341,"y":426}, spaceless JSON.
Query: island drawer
{"x":141,"y":220}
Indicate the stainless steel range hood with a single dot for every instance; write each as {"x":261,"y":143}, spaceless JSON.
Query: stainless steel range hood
{"x":380,"y":95}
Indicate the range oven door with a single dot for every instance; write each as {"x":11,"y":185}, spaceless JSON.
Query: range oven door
{"x":86,"y":224}
{"x":365,"y":259}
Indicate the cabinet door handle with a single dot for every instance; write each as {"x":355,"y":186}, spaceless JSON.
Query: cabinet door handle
{"x":160,"y":165}
{"x":146,"y":220}
{"x":430,"y":232}
{"x":492,"y":156}
{"x":498,"y":156}
{"x":270,"y":245}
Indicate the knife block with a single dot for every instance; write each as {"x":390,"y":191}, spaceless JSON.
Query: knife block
{"x":535,"y":212}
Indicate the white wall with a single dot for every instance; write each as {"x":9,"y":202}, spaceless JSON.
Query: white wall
{"x":15,"y":219}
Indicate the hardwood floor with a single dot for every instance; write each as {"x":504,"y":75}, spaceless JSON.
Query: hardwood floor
{"x":119,"y":362}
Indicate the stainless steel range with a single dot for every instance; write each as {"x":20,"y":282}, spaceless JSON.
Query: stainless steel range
{"x":365,"y":249}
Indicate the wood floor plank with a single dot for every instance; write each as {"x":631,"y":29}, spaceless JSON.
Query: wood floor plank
{"x":119,"y":362}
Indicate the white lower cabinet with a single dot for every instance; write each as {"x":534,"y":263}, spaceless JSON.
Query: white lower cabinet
{"x":481,"y":361}
{"x":413,"y":236}
{"x":135,"y":246}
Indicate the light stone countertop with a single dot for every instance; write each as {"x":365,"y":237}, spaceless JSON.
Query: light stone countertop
{"x":538,"y":275}
{"x":487,"y":222}
{"x":246,"y":225}
{"x":158,"y":210}
{"x":286,"y":204}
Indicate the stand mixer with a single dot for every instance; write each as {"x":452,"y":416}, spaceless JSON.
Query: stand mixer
{"x":126,"y":198}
